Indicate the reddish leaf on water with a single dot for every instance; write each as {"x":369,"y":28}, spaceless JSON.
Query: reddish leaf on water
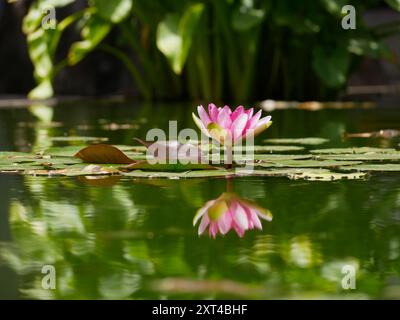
{"x":103,"y":153}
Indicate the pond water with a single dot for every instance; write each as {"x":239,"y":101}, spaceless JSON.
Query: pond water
{"x":124,"y":238}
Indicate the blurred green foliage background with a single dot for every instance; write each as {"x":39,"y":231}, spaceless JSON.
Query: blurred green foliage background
{"x":237,"y":50}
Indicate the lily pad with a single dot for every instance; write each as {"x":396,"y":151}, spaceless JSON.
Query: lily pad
{"x":266,"y":149}
{"x":358,"y":150}
{"x":18,"y":167}
{"x":144,"y":165}
{"x":257,"y":149}
{"x":395,"y":156}
{"x":78,"y":139}
{"x":89,"y":170}
{"x":309,"y":174}
{"x":273,"y":157}
{"x":308,"y":163}
{"x":179,"y":175}
{"x":374,"y":167}
{"x":67,"y":151}
{"x":302,"y":141}
{"x":306,"y":174}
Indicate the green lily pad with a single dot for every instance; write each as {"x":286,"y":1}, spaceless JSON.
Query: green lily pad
{"x":256,"y":149}
{"x":266,"y":149}
{"x":306,"y":174}
{"x":395,"y":156}
{"x":78,"y":139}
{"x":67,"y":151}
{"x":308,"y":163}
{"x":89,"y":170}
{"x":179,"y":175}
{"x":302,"y":141}
{"x":144,"y":165}
{"x":8,"y":154}
{"x":359,"y":150}
{"x":50,"y":160}
{"x":374,"y":167}
{"x":19,"y":167}
{"x":273,"y":157}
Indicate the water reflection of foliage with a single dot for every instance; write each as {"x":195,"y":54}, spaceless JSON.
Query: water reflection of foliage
{"x":117,"y":242}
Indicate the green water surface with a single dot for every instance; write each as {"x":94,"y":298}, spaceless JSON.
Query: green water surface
{"x":123,"y":238}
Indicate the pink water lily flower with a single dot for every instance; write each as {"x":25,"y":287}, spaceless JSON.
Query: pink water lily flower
{"x":230,"y":212}
{"x":227,"y":126}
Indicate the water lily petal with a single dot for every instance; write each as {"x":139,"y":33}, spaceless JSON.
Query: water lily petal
{"x":224,"y":119}
{"x":213,"y":230}
{"x":200,"y":125}
{"x":262,"y":125}
{"x":250,"y":112}
{"x":228,"y":109}
{"x":238,"y":111}
{"x":203,"y":116}
{"x":264,"y":214}
{"x":240,"y":232}
{"x":240,"y":216}
{"x":253,"y":121}
{"x":201,"y":211}
{"x":254,"y":218}
{"x":238,"y":126}
{"x":203,"y":224}
{"x":213,"y":112}
{"x":225,"y":223}
{"x":217,"y":210}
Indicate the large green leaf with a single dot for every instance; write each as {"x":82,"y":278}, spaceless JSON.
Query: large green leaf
{"x":94,"y":31}
{"x":395,"y":4}
{"x":331,"y":66}
{"x":175,"y":35}
{"x":42,"y":44}
{"x":114,"y":10}
{"x":247,"y":17}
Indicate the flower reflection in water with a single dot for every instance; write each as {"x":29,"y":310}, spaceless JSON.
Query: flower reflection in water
{"x":230,"y":212}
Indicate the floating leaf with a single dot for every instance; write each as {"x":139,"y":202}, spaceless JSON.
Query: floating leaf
{"x":384,"y":134}
{"x":306,"y":174}
{"x":145,"y":165}
{"x":75,"y":172}
{"x":308,"y":163}
{"x":103,"y":153}
{"x":79,"y":139}
{"x":373,"y":167}
{"x":265,"y":149}
{"x":18,"y":167}
{"x":363,"y":157}
{"x":326,"y":176}
{"x":179,"y":175}
{"x":272,"y":157}
{"x":303,"y":141}
{"x":353,"y":150}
